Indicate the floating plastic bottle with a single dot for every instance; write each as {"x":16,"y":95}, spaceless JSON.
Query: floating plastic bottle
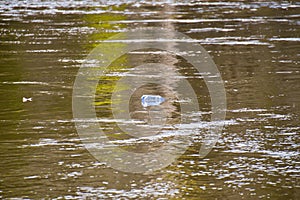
{"x":151,"y":100}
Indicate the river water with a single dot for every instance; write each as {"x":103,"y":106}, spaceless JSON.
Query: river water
{"x":255,"y":46}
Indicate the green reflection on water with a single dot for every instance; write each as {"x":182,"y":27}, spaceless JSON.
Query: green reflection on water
{"x":106,"y":29}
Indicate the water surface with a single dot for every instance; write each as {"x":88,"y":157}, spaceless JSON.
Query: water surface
{"x":255,"y":46}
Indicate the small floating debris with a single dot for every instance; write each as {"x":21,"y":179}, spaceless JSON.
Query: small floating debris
{"x":25,"y":99}
{"x":151,"y":100}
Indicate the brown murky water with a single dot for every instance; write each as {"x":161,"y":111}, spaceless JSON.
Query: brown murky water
{"x":255,"y":46}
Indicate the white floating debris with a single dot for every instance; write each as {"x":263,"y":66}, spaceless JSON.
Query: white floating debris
{"x":151,"y":100}
{"x":26,"y":99}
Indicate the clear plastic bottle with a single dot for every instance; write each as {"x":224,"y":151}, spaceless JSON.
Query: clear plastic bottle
{"x":151,"y":100}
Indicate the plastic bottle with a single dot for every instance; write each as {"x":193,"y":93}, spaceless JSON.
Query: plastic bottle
{"x":151,"y":100}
